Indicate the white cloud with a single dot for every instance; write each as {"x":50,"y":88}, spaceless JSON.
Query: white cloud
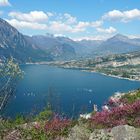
{"x":123,"y":16}
{"x":27,"y":25}
{"x":109,"y":30}
{"x":59,"y":27}
{"x":97,"y":23}
{"x":59,"y":35}
{"x":95,"y":37}
{"x":33,"y":16}
{"x":4,"y":3}
{"x":56,"y":23}
{"x":81,"y":26}
{"x":133,"y":36}
{"x":70,"y":19}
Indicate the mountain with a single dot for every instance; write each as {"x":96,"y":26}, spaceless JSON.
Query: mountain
{"x":119,"y":44}
{"x":13,"y":43}
{"x":57,"y":47}
{"x":88,"y":47}
{"x":49,"y":47}
{"x":64,"y":47}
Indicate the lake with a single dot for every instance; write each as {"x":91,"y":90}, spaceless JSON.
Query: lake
{"x":70,"y":92}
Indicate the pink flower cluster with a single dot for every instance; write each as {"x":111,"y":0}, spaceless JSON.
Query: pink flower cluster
{"x":117,"y":115}
{"x":57,"y":124}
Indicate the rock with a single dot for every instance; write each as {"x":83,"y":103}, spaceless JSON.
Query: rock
{"x":125,"y":132}
{"x":79,"y":132}
{"x":101,"y":135}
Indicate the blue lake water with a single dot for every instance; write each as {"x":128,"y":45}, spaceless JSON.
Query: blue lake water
{"x":69,"y":91}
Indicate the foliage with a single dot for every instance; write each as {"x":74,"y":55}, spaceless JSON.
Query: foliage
{"x":55,"y":128}
{"x":11,"y":69}
{"x":46,"y":114}
{"x":45,"y":126}
{"x":10,"y":72}
{"x":123,"y":110}
{"x":19,"y":120}
{"x":130,"y":98}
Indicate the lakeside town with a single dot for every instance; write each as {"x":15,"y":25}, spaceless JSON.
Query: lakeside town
{"x":126,"y":66}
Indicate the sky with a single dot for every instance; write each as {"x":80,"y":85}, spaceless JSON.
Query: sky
{"x":77,"y":19}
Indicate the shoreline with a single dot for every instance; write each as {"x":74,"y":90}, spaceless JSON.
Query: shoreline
{"x":114,"y":76}
{"x":84,"y":70}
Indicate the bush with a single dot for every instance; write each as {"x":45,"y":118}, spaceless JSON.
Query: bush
{"x":120,"y":115}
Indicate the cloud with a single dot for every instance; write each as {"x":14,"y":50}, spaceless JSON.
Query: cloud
{"x":109,"y":30}
{"x":59,"y":27}
{"x":27,"y":25}
{"x":56,"y":23}
{"x":33,"y":16}
{"x":81,"y":26}
{"x":123,"y":16}
{"x":97,"y":23}
{"x":94,"y":37}
{"x":74,"y":27}
{"x":70,"y":19}
{"x":4,"y":3}
{"x":134,"y":36}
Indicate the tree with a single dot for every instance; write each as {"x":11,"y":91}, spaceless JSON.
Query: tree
{"x":10,"y":72}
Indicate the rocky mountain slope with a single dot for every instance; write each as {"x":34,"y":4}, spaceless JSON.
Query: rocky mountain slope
{"x":57,"y":47}
{"x":13,"y":43}
{"x":49,"y":47}
{"x":119,"y":44}
{"x":66,"y":47}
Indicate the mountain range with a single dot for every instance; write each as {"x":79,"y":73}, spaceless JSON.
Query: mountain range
{"x":119,"y":44}
{"x":57,"y":47}
{"x":49,"y":47}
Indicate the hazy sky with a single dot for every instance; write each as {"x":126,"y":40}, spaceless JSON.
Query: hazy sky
{"x":93,"y":19}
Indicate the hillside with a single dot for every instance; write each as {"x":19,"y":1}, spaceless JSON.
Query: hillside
{"x":121,"y":65}
{"x":57,"y":47}
{"x":119,"y":44}
{"x":13,"y":43}
{"x":49,"y":47}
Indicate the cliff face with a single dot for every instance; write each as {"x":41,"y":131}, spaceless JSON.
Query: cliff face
{"x":122,"y":132}
{"x":13,"y":43}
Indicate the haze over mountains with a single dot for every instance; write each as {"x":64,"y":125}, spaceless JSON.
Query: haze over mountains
{"x":49,"y":47}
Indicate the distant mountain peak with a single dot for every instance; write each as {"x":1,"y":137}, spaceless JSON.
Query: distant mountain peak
{"x":49,"y":35}
{"x":120,"y":36}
